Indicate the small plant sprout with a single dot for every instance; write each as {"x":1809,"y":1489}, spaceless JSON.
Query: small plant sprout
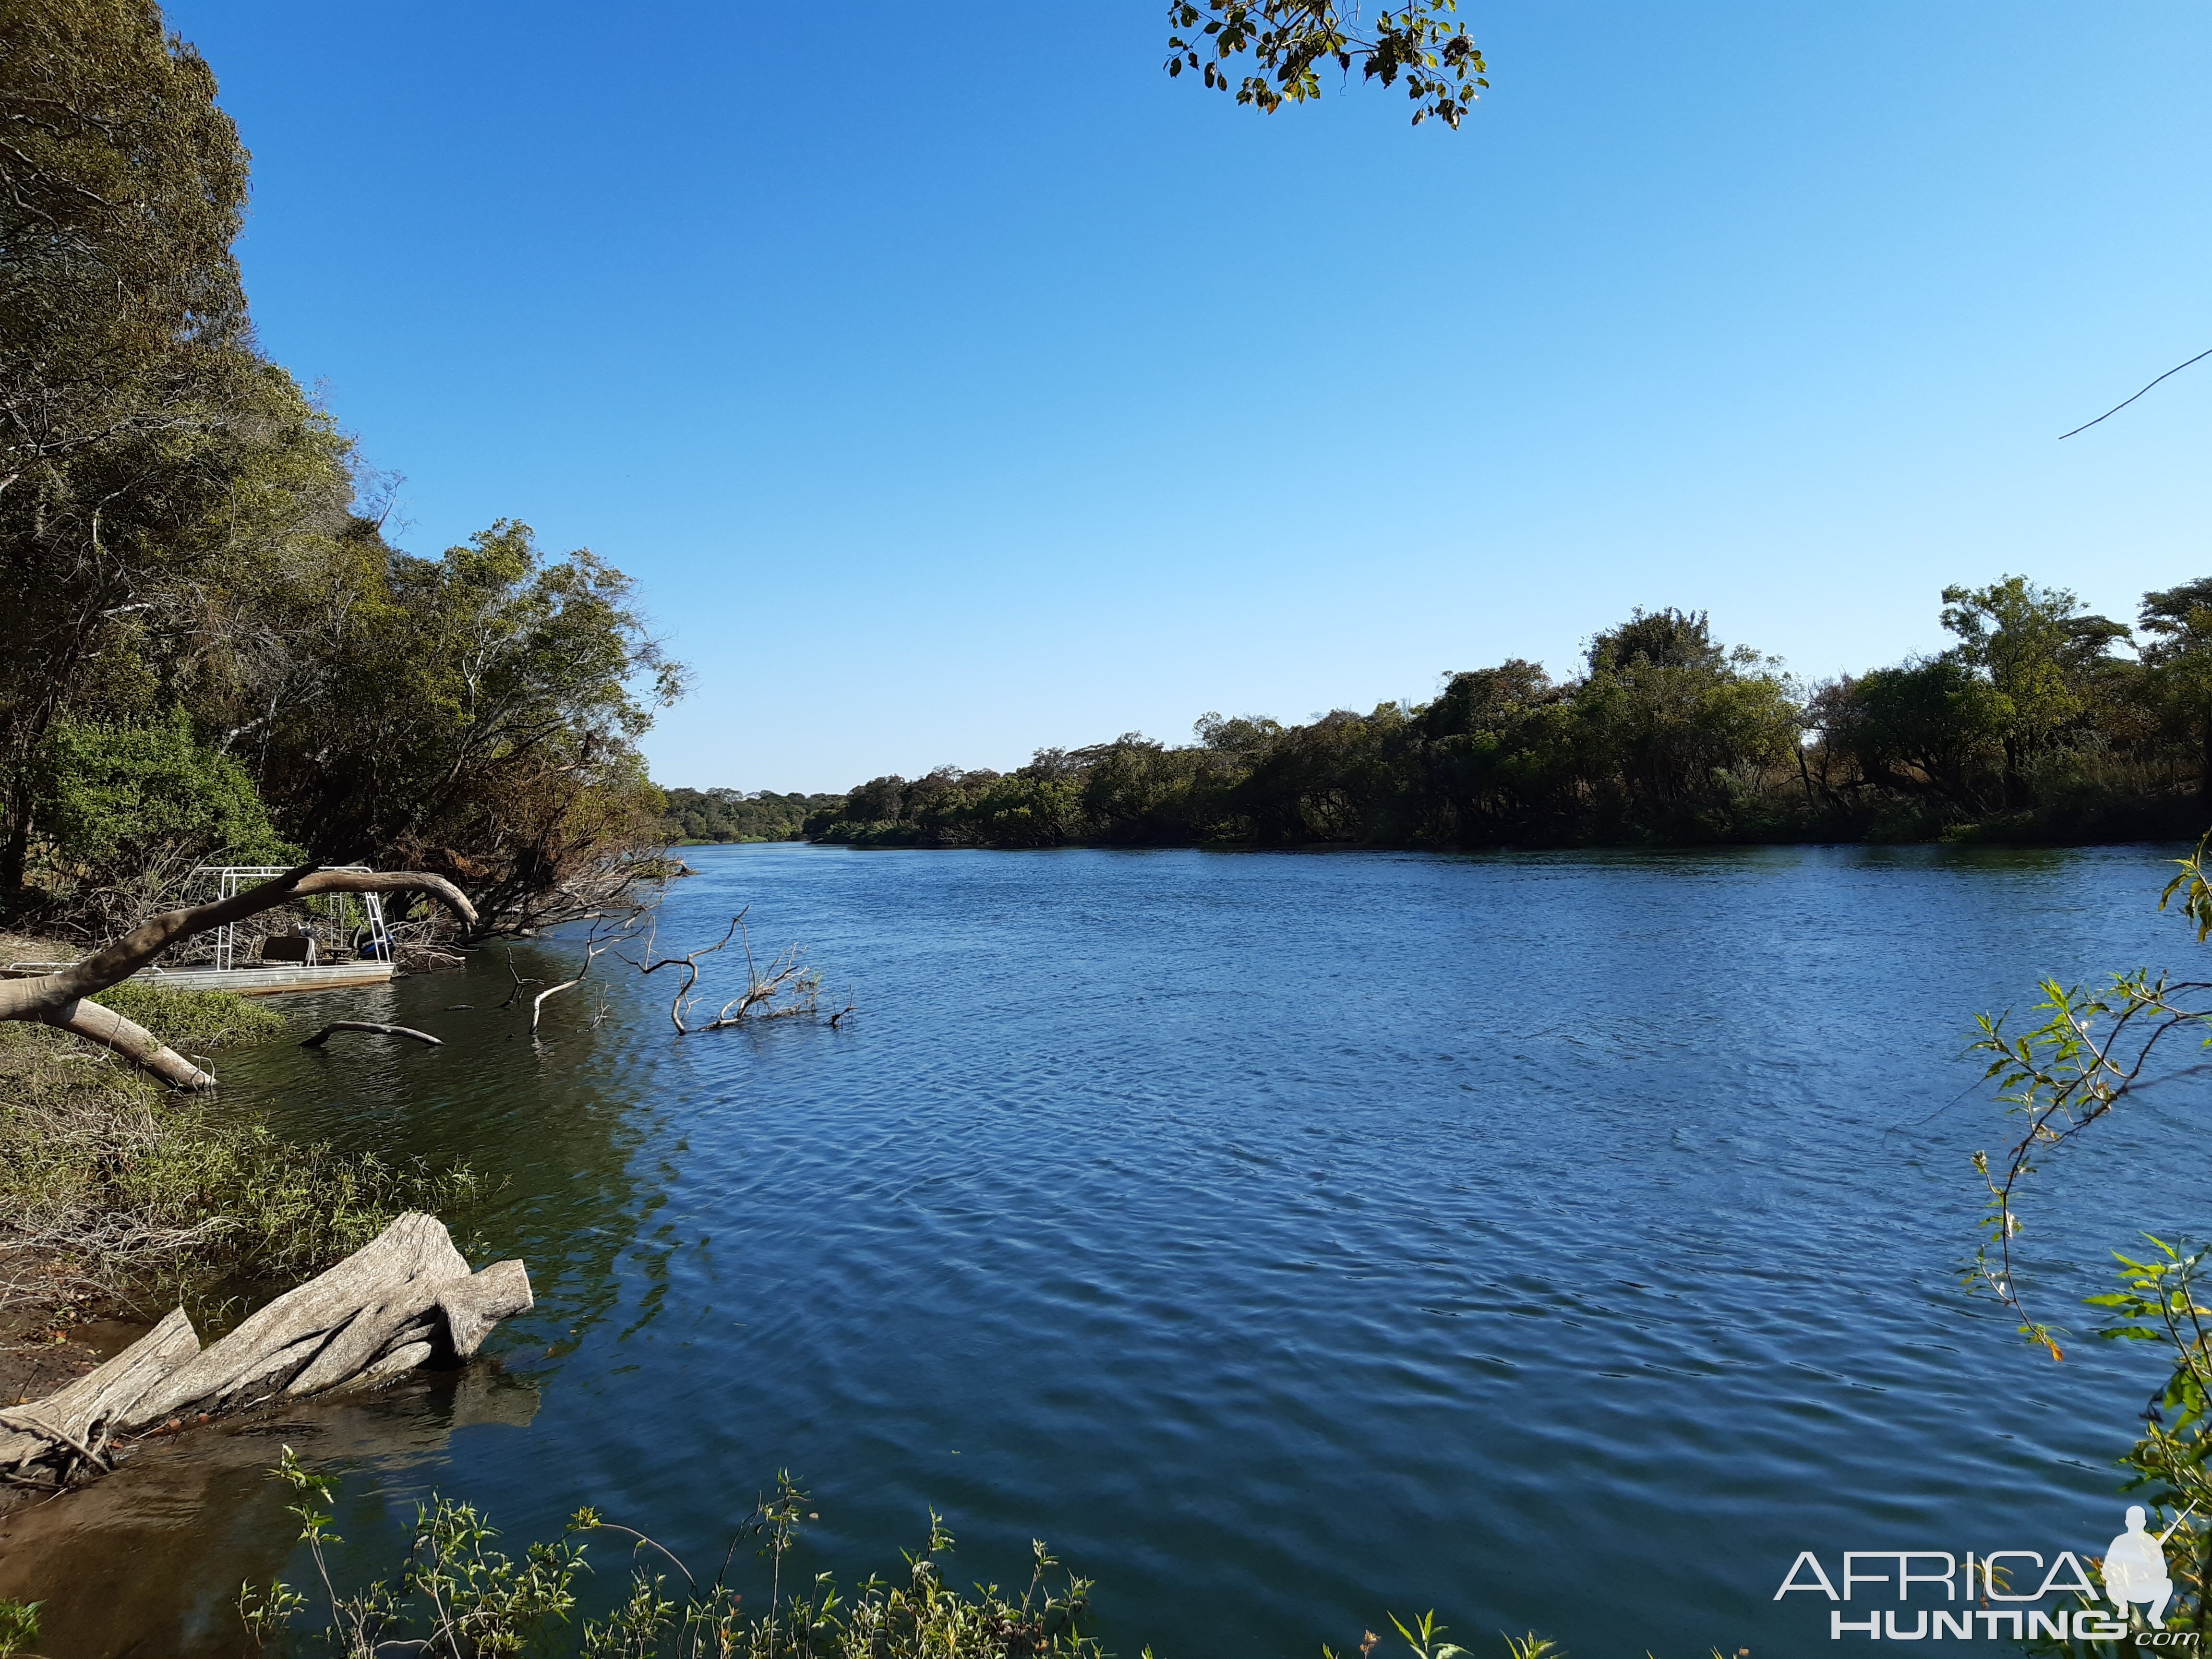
{"x":1425,"y":1638}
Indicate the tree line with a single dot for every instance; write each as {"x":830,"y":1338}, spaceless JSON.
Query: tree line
{"x":2041,"y":722}
{"x":212,"y":650}
{"x":705,"y":817}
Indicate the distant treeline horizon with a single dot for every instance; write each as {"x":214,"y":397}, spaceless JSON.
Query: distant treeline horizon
{"x":2043,"y":722}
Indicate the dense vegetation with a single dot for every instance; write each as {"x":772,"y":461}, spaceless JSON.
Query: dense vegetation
{"x":212,"y":651}
{"x":727,"y":814}
{"x":2039,"y":724}
{"x":108,"y":1181}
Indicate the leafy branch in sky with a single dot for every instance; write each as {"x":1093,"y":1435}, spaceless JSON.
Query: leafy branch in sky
{"x":1289,"y":42}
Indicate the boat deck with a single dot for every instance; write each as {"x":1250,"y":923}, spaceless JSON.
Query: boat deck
{"x":268,"y":980}
{"x":249,"y":982}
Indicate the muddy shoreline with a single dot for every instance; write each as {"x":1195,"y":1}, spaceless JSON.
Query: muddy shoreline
{"x":147,"y":1560}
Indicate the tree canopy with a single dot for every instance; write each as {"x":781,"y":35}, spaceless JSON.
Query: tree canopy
{"x":2034,"y":725}
{"x":196,"y":600}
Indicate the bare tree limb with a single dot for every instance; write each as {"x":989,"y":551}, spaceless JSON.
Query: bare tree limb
{"x":786,"y":988}
{"x":58,"y":999}
{"x":518,"y":982}
{"x":324,"y":1036}
{"x":592,"y":951}
{"x":688,"y":964}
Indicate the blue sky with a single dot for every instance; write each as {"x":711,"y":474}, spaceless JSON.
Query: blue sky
{"x":955,"y":384}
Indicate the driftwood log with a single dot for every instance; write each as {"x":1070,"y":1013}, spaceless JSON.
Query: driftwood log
{"x":406,"y":1298}
{"x":59,"y":999}
{"x":324,"y":1036}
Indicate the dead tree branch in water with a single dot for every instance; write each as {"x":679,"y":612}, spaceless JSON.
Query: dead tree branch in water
{"x":335,"y":1025}
{"x":593,"y":950}
{"x":519,"y":983}
{"x":786,"y":988}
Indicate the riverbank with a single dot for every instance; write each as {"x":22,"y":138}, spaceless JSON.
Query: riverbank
{"x":1191,"y":808}
{"x":120,"y":1199}
{"x":48,"y":1342}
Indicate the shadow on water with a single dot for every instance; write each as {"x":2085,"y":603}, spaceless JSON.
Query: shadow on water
{"x":149,"y":1561}
{"x":1559,"y":1239}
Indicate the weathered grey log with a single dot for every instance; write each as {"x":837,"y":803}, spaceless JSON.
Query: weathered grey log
{"x":71,"y":1422}
{"x":324,"y":1036}
{"x":405,"y":1299}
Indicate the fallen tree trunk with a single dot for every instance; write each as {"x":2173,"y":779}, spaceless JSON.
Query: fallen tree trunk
{"x":405,"y":1299}
{"x":58,"y":999}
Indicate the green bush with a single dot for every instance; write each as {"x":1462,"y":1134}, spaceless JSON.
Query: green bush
{"x":121,"y":814}
{"x":194,"y":1021}
{"x":168,"y":1194}
{"x":111,"y":795}
{"x":456,"y":1597}
{"x":18,"y":1628}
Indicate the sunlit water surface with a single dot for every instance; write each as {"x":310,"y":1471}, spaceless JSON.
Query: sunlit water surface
{"x":1560,"y":1242}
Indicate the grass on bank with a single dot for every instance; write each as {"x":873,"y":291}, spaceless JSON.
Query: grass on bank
{"x":186,"y":1020}
{"x":110,"y":1183}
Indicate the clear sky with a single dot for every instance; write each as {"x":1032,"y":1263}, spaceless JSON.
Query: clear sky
{"x":955,"y":384}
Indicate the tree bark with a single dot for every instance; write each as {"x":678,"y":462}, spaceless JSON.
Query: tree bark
{"x":2204,"y":780}
{"x":324,"y":1036}
{"x":58,"y":999}
{"x":15,"y":852}
{"x":130,"y":1040}
{"x":405,"y":1298}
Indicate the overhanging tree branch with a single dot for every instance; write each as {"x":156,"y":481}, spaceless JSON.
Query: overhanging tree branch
{"x":59,"y":999}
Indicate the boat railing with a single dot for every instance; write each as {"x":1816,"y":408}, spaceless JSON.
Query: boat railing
{"x":231,"y":878}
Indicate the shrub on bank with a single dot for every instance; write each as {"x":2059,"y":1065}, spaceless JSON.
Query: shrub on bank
{"x":456,"y":1595}
{"x":190,"y":1020}
{"x":109,"y":1181}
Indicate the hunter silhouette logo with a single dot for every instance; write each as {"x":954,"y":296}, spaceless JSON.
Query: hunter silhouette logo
{"x":2135,"y":1568}
{"x":2135,"y":1578}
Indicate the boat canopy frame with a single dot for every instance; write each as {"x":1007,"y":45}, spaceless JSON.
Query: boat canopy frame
{"x":230,"y":879}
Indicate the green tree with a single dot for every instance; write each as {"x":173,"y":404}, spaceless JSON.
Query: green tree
{"x":1501,"y":754}
{"x":493,"y":700}
{"x":1671,"y":719}
{"x":1930,"y":727}
{"x":2178,"y":656}
{"x":1339,"y":778}
{"x":2040,"y":652}
{"x":144,"y":443}
{"x":732,"y":815}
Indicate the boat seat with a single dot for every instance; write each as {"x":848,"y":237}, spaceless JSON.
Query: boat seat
{"x":288,"y":948}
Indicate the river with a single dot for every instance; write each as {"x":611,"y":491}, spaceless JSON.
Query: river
{"x":1561,"y":1241}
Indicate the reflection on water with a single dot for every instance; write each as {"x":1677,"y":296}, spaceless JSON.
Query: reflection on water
{"x":150,"y":1559}
{"x":1559,"y":1241}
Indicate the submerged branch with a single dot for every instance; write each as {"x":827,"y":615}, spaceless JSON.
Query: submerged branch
{"x":337,"y":1026}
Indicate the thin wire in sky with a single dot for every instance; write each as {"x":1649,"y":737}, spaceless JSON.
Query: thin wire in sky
{"x":2118,"y":407}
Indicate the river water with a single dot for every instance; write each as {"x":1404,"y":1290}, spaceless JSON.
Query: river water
{"x":1561,"y":1241}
